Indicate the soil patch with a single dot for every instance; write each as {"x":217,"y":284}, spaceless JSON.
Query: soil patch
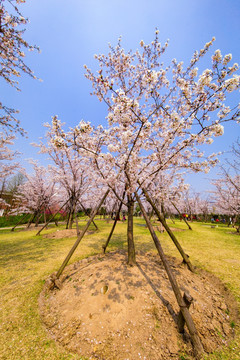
{"x":161,"y":228}
{"x":59,"y":234}
{"x":110,"y":311}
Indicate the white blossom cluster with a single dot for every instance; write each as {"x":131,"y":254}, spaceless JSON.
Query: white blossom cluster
{"x":12,"y":56}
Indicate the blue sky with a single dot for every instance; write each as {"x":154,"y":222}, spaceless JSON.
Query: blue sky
{"x":69,"y":33}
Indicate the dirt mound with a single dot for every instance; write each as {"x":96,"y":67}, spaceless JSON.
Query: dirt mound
{"x":108,"y":310}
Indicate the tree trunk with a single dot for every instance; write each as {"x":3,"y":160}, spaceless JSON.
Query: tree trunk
{"x":163,"y":211}
{"x":77,"y":226}
{"x":71,"y":218}
{"x":38,"y":219}
{"x":68,"y":218}
{"x":131,"y":246}
{"x":31,"y":220}
{"x":197,"y":346}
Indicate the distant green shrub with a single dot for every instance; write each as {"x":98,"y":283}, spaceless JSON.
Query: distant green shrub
{"x":12,"y":220}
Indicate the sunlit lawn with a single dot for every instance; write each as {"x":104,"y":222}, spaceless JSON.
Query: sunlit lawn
{"x":26,"y":260}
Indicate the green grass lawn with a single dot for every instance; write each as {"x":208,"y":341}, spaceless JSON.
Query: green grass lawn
{"x":26,"y":260}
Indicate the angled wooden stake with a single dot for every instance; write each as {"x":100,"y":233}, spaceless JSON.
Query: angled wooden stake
{"x":38,"y":233}
{"x":169,"y":231}
{"x":197,"y":346}
{"x":181,"y":216}
{"x":181,"y":321}
{"x":114,"y":225}
{"x":21,"y":221}
{"x":79,"y":238}
{"x":85,"y":212}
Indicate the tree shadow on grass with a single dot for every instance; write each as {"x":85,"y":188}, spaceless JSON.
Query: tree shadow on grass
{"x":31,"y":249}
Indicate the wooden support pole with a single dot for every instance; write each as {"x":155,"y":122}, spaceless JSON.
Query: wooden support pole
{"x":114,"y":225}
{"x":85,"y":211}
{"x":31,"y":219}
{"x":197,"y":346}
{"x":38,"y":233}
{"x":181,"y":321}
{"x":25,"y":216}
{"x":50,"y":212}
{"x":79,"y":238}
{"x":169,"y":231}
{"x":182,"y":216}
{"x":172,"y":219}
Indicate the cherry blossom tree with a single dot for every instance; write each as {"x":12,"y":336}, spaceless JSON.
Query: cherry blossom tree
{"x":235,"y":164}
{"x":156,"y":109}
{"x":7,"y":164}
{"x":12,"y":57}
{"x":166,"y":192}
{"x":192,"y":203}
{"x":73,"y":174}
{"x":227,"y":187}
{"x":227,"y":196}
{"x":12,"y":65}
{"x":9,"y":190}
{"x":37,"y":195}
{"x":158,"y":117}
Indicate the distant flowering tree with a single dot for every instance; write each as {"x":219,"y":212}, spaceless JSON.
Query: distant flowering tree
{"x":193,"y":203}
{"x":37,"y":195}
{"x":206,"y":209}
{"x":76,"y":180}
{"x":227,"y":187}
{"x":227,"y":196}
{"x":12,"y":57}
{"x":8,"y":165}
{"x":9,"y":189}
{"x":166,"y":188}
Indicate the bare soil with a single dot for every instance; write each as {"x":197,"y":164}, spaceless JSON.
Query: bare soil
{"x":59,"y":234}
{"x":108,"y":310}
